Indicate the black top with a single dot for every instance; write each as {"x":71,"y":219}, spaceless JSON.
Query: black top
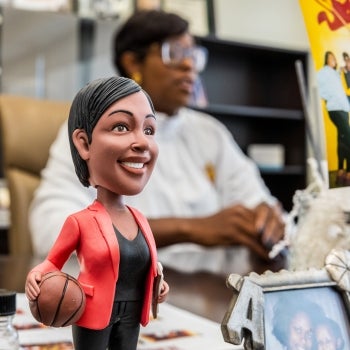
{"x":134,"y":264}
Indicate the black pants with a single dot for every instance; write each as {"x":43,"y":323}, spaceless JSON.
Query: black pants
{"x":341,"y":120}
{"x":121,"y":334}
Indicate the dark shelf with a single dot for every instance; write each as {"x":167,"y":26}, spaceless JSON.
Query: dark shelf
{"x":256,"y":50}
{"x":252,"y":75}
{"x":286,"y":170}
{"x":254,"y":91}
{"x":256,"y":112}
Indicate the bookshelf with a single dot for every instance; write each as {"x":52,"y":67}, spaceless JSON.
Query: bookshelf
{"x":254,"y":91}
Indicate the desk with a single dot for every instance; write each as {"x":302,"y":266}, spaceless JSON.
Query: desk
{"x":201,"y":293}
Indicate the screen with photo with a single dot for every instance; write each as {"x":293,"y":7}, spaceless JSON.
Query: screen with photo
{"x":305,"y":318}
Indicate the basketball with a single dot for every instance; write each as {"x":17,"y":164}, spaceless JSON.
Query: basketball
{"x":61,"y":301}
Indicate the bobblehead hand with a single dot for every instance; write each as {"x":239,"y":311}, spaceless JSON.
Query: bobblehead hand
{"x":159,"y":296}
{"x":160,"y":290}
{"x":32,"y":289}
{"x":164,"y":291}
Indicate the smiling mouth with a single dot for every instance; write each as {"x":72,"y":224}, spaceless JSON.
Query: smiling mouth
{"x":133,"y":165}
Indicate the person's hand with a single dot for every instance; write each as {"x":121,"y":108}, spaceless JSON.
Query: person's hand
{"x":163,"y":292}
{"x":32,"y":289}
{"x":258,"y":228}
{"x":269,"y":224}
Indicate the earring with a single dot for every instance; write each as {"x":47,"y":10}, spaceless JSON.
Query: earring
{"x":137,"y":77}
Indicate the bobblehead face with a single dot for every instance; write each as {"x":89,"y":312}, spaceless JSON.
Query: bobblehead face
{"x":123,"y":151}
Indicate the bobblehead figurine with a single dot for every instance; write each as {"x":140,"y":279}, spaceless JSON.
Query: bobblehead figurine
{"x":111,"y":129}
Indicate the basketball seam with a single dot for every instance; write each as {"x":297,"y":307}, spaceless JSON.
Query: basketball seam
{"x":46,"y":277}
{"x":78,"y":309}
{"x":38,"y":308}
{"x":60,"y":302}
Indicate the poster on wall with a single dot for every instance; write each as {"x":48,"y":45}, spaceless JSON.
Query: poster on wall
{"x":328,"y":26}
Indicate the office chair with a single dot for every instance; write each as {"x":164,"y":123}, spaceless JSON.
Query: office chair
{"x":28,"y":126}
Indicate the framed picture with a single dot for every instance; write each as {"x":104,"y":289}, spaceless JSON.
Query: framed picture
{"x":291,"y":309}
{"x":199,"y":13}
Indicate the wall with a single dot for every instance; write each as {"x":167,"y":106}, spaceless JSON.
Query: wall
{"x":268,"y":22}
{"x":46,"y":65}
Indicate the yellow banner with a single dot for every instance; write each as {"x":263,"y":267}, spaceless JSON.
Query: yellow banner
{"x":328,"y":26}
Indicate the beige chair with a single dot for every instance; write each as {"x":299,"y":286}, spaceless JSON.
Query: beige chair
{"x":28,"y":126}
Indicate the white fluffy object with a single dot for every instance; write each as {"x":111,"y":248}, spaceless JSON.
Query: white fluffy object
{"x":316,"y":225}
{"x":321,"y":229}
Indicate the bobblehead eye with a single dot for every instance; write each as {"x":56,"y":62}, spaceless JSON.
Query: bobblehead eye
{"x":149,"y":131}
{"x":120,"y":128}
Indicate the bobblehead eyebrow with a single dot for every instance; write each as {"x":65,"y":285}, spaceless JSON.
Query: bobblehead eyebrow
{"x":94,"y":99}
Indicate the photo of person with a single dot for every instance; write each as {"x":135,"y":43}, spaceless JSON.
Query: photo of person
{"x":300,"y":319}
{"x":329,"y":335}
{"x":331,"y":90}
{"x":345,"y":74}
{"x":293,"y":322}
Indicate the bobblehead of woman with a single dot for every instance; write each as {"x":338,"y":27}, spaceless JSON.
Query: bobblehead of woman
{"x":111,"y":129}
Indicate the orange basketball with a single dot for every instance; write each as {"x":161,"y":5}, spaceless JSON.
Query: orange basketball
{"x":61,"y":301}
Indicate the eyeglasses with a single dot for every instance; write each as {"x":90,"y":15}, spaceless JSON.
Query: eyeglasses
{"x":173,"y":53}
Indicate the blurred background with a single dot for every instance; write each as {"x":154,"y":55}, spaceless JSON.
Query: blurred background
{"x":49,"y":48}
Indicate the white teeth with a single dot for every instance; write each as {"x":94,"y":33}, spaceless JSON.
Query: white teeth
{"x":133,"y":165}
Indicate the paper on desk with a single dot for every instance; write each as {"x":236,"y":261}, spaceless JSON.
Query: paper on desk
{"x":174,"y":329}
{"x":177,"y":329}
{"x":32,"y":333}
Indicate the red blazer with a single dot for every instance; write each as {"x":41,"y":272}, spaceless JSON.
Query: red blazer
{"x":91,"y":234}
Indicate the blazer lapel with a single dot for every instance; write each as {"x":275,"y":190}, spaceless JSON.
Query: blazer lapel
{"x":147,"y":232}
{"x":106,"y":227}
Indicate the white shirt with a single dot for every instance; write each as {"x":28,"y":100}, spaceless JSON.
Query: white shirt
{"x":331,"y":89}
{"x":191,"y":145}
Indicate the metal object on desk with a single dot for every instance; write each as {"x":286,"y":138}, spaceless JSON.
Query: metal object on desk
{"x":4,"y":216}
{"x":266,"y":308}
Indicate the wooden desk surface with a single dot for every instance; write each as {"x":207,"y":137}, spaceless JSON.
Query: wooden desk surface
{"x":202,"y":293}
